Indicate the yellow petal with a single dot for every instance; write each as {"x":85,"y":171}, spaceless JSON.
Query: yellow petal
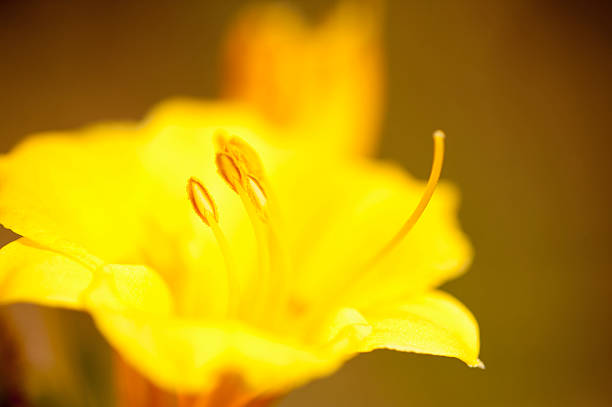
{"x":190,"y":355}
{"x":434,"y":323}
{"x":323,"y":82}
{"x":344,"y":331}
{"x":32,"y":273}
{"x":131,"y":289}
{"x":344,"y":215}
{"x":71,"y":191}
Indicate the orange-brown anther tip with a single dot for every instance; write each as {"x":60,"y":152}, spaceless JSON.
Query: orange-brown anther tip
{"x":202,"y":202}
{"x":247,"y":156}
{"x":244,"y":157}
{"x":229,"y":170}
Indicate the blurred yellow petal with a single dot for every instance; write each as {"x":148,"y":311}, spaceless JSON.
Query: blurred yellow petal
{"x":62,"y":190}
{"x":319,"y":81}
{"x":130,"y":289}
{"x":433,"y":323}
{"x":192,"y":355}
{"x":32,"y":273}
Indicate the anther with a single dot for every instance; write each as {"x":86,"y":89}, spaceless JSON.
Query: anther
{"x":202,"y":202}
{"x":240,"y":166}
{"x":229,"y":170}
{"x":241,"y":152}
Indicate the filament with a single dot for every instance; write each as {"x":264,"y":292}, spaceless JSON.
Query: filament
{"x":233,"y":288}
{"x":206,"y":209}
{"x":260,"y":282}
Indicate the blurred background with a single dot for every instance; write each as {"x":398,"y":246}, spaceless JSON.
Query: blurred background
{"x":522,"y":89}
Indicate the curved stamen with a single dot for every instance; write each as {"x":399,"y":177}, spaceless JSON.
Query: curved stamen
{"x":432,"y":182}
{"x":318,"y":310}
{"x":240,"y":166}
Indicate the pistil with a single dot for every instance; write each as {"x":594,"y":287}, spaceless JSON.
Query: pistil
{"x":432,"y":182}
{"x":318,"y":311}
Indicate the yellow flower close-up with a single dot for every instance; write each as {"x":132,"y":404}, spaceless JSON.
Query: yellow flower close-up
{"x":232,"y":250}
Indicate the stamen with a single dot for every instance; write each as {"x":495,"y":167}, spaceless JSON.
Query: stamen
{"x":432,"y":182}
{"x":206,"y":209}
{"x":240,"y":166}
{"x":274,"y":286}
{"x":261,"y":281}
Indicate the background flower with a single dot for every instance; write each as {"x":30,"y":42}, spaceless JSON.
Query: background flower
{"x":319,"y":79}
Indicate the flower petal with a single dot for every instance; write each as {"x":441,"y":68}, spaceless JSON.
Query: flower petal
{"x":344,"y":215}
{"x":32,"y":273}
{"x":71,"y":192}
{"x":434,"y":323}
{"x":191,"y":355}
{"x":131,"y":289}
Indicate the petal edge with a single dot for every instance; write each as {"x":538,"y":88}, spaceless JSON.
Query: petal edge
{"x":434,"y":323}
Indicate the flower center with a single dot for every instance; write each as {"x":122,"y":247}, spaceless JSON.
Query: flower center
{"x":265,"y":300}
{"x":267,"y":294}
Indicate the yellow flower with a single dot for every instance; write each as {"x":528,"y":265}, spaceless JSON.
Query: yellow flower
{"x":275,"y":266}
{"x":281,"y":259}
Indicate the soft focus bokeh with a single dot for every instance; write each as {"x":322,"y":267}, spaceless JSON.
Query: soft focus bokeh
{"x":522,"y":89}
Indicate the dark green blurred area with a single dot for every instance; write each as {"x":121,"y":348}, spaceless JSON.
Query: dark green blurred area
{"x":523,"y":91}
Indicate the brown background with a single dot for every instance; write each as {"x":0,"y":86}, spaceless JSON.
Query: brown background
{"x":522,"y":89}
